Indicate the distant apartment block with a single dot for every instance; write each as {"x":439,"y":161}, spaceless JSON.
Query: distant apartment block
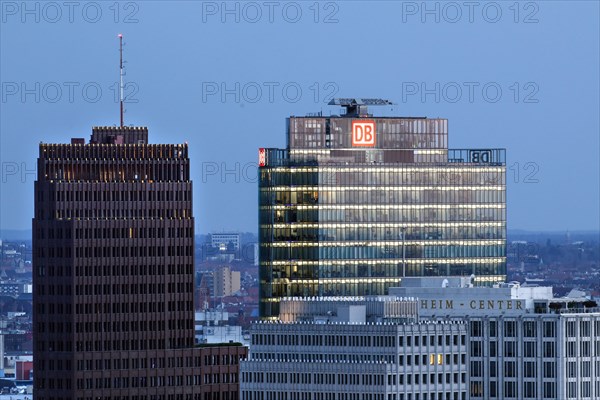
{"x":226,"y":281}
{"x":226,"y":241}
{"x":213,"y":327}
{"x":14,"y":289}
{"x":222,"y":247}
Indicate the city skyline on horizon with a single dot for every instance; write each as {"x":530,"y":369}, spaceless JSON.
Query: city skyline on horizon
{"x":300,"y":200}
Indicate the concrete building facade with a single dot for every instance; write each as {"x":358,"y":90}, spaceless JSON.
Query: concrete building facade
{"x":226,"y":241}
{"x":355,"y":349}
{"x":520,"y":342}
{"x":523,"y":343}
{"x":226,"y":281}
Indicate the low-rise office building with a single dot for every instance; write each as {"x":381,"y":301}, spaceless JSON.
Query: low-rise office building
{"x":523,"y":343}
{"x":355,"y":348}
{"x":432,"y":339}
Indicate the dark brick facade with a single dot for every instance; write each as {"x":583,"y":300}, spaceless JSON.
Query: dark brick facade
{"x":113,"y":237}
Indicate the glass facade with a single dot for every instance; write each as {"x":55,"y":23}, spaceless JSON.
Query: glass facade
{"x":344,"y":216}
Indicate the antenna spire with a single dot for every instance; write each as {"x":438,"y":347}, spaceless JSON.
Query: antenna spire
{"x":121,"y":73}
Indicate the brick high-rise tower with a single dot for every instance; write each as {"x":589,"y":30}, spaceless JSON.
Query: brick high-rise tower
{"x":113,"y":238}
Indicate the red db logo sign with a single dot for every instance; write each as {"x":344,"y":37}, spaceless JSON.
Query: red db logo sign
{"x":363,"y":133}
{"x":262,"y":157}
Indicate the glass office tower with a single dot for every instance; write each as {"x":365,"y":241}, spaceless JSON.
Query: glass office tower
{"x":356,"y":202}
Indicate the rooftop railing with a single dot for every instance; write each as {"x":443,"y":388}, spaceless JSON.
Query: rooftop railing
{"x":281,"y":158}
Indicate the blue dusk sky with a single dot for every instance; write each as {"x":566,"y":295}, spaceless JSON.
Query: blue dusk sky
{"x":223,"y":76}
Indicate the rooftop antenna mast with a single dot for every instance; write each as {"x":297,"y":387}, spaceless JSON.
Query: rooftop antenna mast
{"x":121,"y":74}
{"x":358,"y":107}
